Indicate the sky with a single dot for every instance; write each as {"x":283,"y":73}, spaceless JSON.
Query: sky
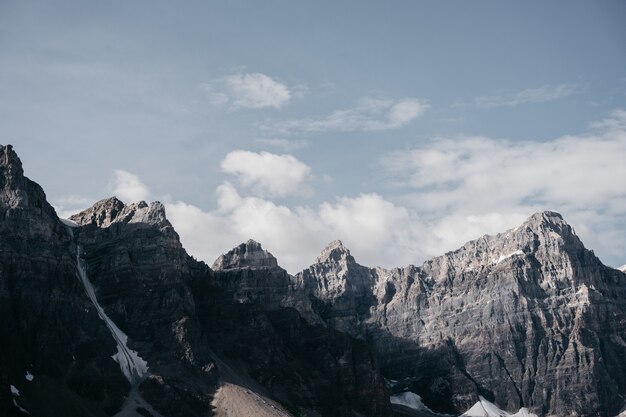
{"x":403,"y":128}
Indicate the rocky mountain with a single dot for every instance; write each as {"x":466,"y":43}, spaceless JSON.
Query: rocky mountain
{"x":527,"y":318}
{"x":107,"y":315}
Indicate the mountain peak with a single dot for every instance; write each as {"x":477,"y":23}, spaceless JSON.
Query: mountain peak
{"x":246,"y":255}
{"x":334,"y":251}
{"x":550,"y":222}
{"x":10,"y":160}
{"x":546,"y":217}
{"x":16,"y":190}
{"x":112,"y":210}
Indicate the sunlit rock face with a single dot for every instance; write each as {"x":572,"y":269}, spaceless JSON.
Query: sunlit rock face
{"x":526,"y":318}
{"x":526,"y":321}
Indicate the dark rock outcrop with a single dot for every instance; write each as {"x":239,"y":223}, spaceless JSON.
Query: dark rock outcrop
{"x":185,"y":320}
{"x":48,"y":327}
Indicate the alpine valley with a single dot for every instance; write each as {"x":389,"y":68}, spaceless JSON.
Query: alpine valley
{"x":106,"y":314}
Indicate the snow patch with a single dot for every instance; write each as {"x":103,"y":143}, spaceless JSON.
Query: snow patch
{"x":518,"y":252}
{"x":19,"y":408}
{"x":69,"y":223}
{"x":135,"y":369}
{"x":410,"y":400}
{"x":622,"y":268}
{"x":29,"y":377}
{"x":15,"y":391}
{"x":484,"y":408}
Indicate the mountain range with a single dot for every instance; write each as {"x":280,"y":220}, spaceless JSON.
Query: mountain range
{"x":105,"y":314}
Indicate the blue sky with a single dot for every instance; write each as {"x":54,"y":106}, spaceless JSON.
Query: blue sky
{"x":403,"y":128}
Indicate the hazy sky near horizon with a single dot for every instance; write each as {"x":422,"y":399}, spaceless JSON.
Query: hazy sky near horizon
{"x":403,"y":128}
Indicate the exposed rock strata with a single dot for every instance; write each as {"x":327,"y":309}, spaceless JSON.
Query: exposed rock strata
{"x":184,"y":319}
{"x":527,"y":318}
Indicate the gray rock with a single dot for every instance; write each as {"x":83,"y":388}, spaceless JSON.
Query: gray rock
{"x":527,"y":318}
{"x":246,"y":255}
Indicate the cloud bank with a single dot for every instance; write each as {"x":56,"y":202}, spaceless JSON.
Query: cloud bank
{"x":446,"y":192}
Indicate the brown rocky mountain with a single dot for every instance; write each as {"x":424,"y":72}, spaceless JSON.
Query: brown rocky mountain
{"x":110,"y":316}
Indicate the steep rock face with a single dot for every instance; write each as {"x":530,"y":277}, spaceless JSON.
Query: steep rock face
{"x":48,"y":327}
{"x":526,"y":318}
{"x":171,"y":311}
{"x":141,"y":272}
{"x":311,"y":369}
{"x":340,"y":288}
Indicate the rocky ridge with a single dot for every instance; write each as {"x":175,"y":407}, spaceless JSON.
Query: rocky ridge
{"x":194,"y":334}
{"x":527,"y":318}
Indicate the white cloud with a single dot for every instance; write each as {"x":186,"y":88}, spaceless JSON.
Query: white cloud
{"x":541,"y":94}
{"x":450,"y":180}
{"x":284,"y":144}
{"x":370,"y":226}
{"x":456,"y":190}
{"x":128,"y":187}
{"x":369,"y":115}
{"x":266,"y":173}
{"x":252,"y":90}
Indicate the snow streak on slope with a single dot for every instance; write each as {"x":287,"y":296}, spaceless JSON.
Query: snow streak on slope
{"x":484,"y":408}
{"x":410,"y":400}
{"x":132,"y":365}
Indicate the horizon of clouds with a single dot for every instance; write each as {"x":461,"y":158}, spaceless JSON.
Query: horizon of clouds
{"x":542,"y":94}
{"x":370,"y":115}
{"x":452,"y":191}
{"x":248,"y":90}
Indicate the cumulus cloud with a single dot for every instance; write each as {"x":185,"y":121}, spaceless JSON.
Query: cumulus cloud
{"x":270,"y":174}
{"x":128,"y":187}
{"x":369,"y":115}
{"x":368,"y":224}
{"x":581,"y":176}
{"x":451,"y":191}
{"x":251,"y":90}
{"x":541,"y":94}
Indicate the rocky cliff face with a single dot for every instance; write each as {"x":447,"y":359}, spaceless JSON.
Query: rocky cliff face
{"x":48,"y":328}
{"x":192,"y":330}
{"x":315,"y":370}
{"x":525,"y":318}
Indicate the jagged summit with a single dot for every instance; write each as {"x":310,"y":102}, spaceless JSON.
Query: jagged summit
{"x":544,"y":235}
{"x":547,"y":220}
{"x":334,"y":252}
{"x":112,"y":210}
{"x":9,"y":159}
{"x":246,"y":255}
{"x":16,"y":190}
